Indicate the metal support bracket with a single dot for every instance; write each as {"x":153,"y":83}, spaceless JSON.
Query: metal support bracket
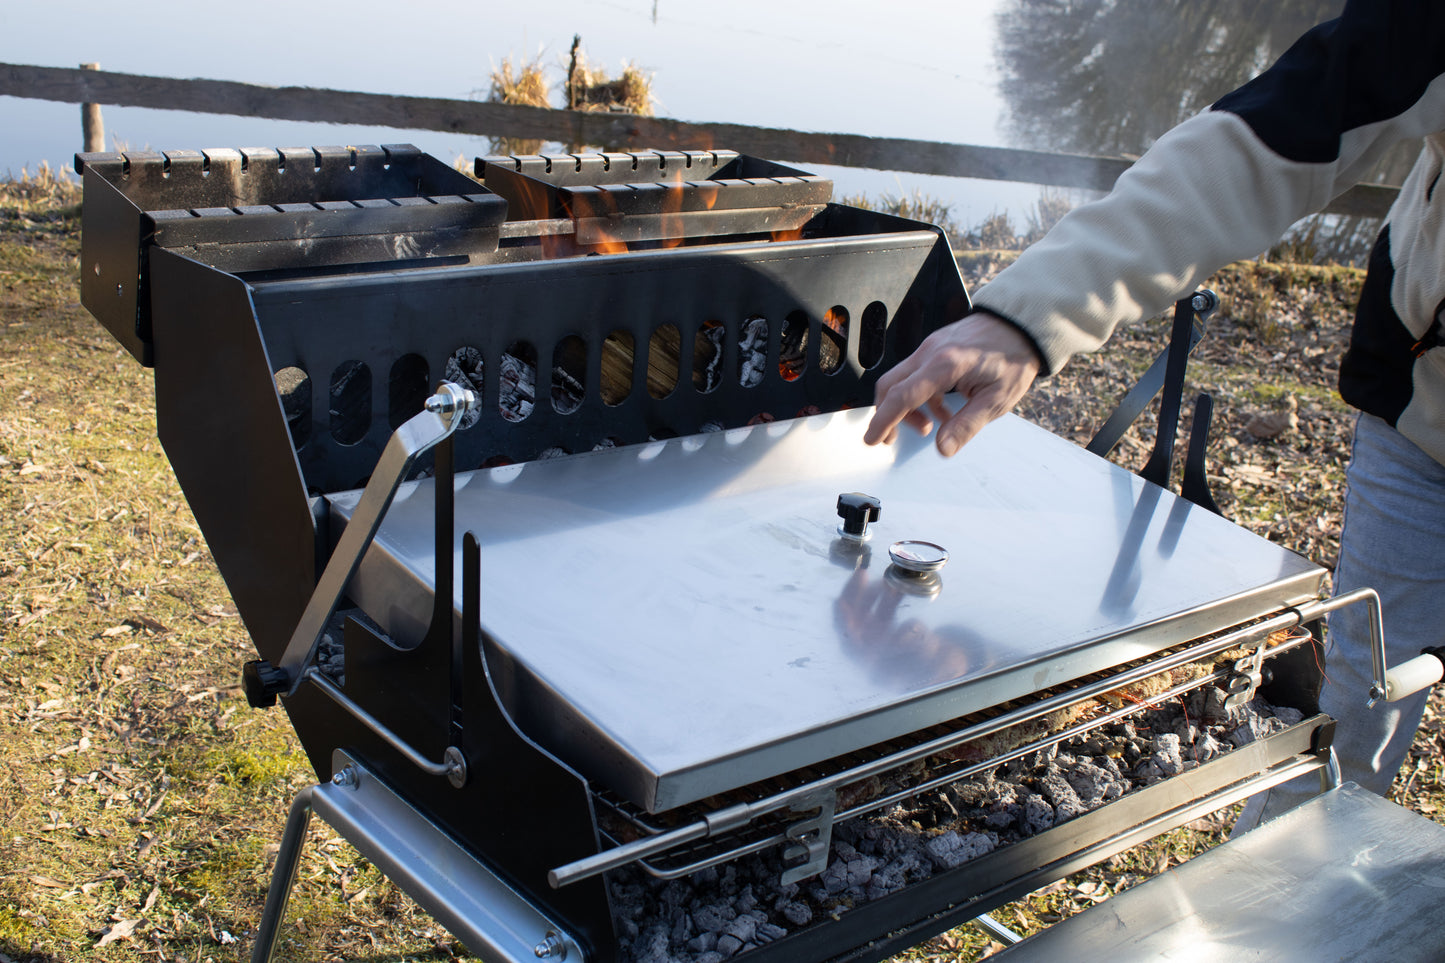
{"x":1199,"y":307}
{"x":492,"y":919}
{"x":1246,"y":675}
{"x":809,"y":838}
{"x":262,"y":681}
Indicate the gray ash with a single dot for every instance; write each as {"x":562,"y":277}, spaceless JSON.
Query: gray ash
{"x":718,"y":913}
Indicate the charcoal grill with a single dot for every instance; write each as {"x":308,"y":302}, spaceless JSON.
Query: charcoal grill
{"x":585,"y":614}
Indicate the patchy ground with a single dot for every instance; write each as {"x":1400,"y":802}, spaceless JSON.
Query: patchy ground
{"x":141,"y":799}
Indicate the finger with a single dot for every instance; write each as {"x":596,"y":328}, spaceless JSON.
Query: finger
{"x":898,"y":403}
{"x":964,"y":426}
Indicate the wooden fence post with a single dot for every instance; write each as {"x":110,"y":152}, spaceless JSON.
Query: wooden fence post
{"x":92,"y":127}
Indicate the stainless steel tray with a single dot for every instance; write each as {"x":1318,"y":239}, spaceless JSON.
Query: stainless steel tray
{"x":679,"y":618}
{"x":1344,"y":876}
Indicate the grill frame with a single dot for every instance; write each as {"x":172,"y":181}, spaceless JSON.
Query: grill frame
{"x":255,"y":490}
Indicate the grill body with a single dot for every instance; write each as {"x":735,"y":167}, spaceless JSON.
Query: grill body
{"x":298,"y":307}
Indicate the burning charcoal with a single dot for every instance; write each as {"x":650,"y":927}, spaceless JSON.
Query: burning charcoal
{"x":1286,"y":715}
{"x":655,"y":948}
{"x":746,"y":900}
{"x":767,"y":932}
{"x":702,"y":943}
{"x":753,"y":351}
{"x":465,"y":368}
{"x":1208,"y":747}
{"x":1061,"y":795}
{"x":567,"y":391}
{"x":713,"y":917}
{"x":518,"y":381}
{"x":1213,"y":711}
{"x":1038,"y":815}
{"x":744,"y":928}
{"x":1094,"y":785}
{"x":860,"y":870}
{"x":707,"y":355}
{"x":799,"y":914}
{"x":950,"y":849}
{"x":834,"y":879}
{"x":728,"y":946}
{"x":1166,"y":755}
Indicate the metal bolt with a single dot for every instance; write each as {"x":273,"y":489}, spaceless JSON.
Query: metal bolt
{"x":346,"y":778}
{"x":552,"y":947}
{"x":450,"y":398}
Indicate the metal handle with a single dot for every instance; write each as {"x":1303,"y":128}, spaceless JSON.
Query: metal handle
{"x":442,"y":416}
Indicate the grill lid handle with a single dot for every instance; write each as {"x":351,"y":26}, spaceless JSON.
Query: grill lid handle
{"x":857,"y":510}
{"x":443,"y":414}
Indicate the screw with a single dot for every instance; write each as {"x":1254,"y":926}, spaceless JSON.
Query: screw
{"x":552,"y":947}
{"x":450,"y":398}
{"x":346,"y":778}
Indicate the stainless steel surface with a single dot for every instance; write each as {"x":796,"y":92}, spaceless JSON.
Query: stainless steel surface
{"x":918,"y":558}
{"x":441,"y":416}
{"x":1344,"y":876}
{"x":997,"y":930}
{"x":764,"y":642}
{"x":492,"y":919}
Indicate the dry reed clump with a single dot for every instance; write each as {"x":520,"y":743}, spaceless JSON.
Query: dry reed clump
{"x":525,"y":85}
{"x":587,"y":88}
{"x":47,"y":187}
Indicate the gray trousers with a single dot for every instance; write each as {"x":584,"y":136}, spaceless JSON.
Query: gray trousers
{"x":1393,"y":541}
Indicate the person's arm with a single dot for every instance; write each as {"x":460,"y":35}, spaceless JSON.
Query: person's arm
{"x":1221,"y":186}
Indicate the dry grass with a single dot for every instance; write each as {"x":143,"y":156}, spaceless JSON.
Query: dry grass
{"x":141,"y":799}
{"x":587,"y":87}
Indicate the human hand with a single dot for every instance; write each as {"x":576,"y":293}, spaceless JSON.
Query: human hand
{"x":988,"y":361}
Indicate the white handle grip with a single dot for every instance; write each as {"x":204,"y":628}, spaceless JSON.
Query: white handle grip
{"x":1410,"y":677}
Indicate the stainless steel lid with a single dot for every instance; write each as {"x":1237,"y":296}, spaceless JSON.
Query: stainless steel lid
{"x":679,"y":618}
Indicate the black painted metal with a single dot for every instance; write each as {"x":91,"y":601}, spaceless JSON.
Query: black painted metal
{"x":1139,"y":396}
{"x":1194,"y":486}
{"x":482,"y":312}
{"x":647,"y":182}
{"x":254,"y":209}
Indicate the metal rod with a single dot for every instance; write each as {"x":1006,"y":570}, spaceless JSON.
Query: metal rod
{"x":651,"y":846}
{"x":283,"y":877}
{"x":997,"y":930}
{"x":1063,"y":735}
{"x":447,"y":767}
{"x":1330,"y":776}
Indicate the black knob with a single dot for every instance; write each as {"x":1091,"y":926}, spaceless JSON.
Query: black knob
{"x":263,"y":682}
{"x":857,"y":510}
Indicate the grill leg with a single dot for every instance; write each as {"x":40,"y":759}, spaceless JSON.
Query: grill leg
{"x":283,"y":877}
{"x":997,"y":930}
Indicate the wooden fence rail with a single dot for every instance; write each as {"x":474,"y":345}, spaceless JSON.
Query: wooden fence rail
{"x":621,"y":131}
